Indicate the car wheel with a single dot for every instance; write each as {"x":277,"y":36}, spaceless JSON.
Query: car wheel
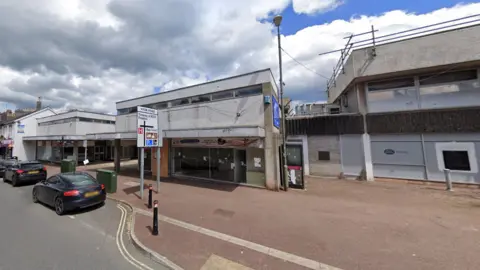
{"x":14,"y":181}
{"x":35,"y":195}
{"x":59,"y":207}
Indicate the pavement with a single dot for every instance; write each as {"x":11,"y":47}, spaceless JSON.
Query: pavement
{"x":33,"y":237}
{"x":334,"y":224}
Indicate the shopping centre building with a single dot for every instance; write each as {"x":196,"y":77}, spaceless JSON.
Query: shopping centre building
{"x":222,"y":130}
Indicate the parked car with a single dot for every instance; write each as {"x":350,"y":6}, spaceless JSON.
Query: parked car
{"x":24,"y":171}
{"x":3,"y":165}
{"x":69,"y":191}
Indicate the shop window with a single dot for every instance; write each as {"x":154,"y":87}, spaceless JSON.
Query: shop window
{"x":323,"y":155}
{"x":249,"y":92}
{"x":222,"y":95}
{"x":334,"y":110}
{"x":450,"y":77}
{"x":456,"y":160}
{"x":199,"y":99}
{"x":391,"y":84}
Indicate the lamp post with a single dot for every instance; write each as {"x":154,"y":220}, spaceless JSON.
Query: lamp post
{"x":277,"y":21}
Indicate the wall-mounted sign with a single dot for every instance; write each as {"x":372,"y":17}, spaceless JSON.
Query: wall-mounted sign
{"x":20,"y":128}
{"x":276,"y":112}
{"x":389,"y":151}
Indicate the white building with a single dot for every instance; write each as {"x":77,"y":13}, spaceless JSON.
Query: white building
{"x":222,"y":130}
{"x":13,"y":132}
{"x":71,"y":135}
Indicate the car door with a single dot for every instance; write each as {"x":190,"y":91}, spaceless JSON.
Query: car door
{"x":9,"y":171}
{"x":50,"y":189}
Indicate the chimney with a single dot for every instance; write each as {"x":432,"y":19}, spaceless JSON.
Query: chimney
{"x":39,"y":104}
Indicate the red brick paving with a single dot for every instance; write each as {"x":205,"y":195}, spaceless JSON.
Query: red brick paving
{"x":347,"y":224}
{"x":191,"y":250}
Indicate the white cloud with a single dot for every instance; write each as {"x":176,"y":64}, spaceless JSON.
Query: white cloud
{"x":311,"y":7}
{"x":125,"y":56}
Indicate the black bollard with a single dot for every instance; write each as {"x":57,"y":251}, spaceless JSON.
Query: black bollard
{"x":150,"y":194}
{"x":155,"y":218}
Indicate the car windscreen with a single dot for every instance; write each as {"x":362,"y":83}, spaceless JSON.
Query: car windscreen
{"x":31,"y":166}
{"x":80,"y":180}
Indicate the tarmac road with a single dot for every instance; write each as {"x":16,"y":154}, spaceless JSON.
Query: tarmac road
{"x":33,"y":237}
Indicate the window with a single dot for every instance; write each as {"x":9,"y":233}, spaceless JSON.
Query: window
{"x":391,"y":84}
{"x":249,"y":92}
{"x":179,"y":102}
{"x":52,"y":180}
{"x":323,"y":155}
{"x":334,"y":110}
{"x":222,"y":95}
{"x":198,"y":99}
{"x":456,"y":160}
{"x":31,"y":166}
{"x":80,"y":180}
{"x":457,"y":76}
{"x":160,"y":106}
{"x":456,"y":156}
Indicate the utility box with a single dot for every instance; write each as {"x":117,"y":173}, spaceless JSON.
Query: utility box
{"x":68,"y":165}
{"x":109,"y":179}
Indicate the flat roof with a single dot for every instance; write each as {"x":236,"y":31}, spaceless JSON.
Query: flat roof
{"x":237,"y":81}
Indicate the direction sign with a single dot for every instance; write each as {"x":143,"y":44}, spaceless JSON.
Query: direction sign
{"x":148,"y":133}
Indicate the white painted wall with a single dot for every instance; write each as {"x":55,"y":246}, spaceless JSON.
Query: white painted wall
{"x":445,"y":48}
{"x":26,"y":150}
{"x":75,"y":127}
{"x":57,"y":129}
{"x":82,"y":128}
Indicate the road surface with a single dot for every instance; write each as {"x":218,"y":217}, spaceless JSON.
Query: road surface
{"x":33,"y":237}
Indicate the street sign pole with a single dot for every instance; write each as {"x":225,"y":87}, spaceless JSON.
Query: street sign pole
{"x":149,"y":136}
{"x":142,"y":170}
{"x":158,"y":169}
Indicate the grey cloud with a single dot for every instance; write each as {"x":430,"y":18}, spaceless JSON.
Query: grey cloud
{"x":156,"y":37}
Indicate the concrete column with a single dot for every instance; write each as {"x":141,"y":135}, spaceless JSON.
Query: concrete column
{"x":75,"y":152}
{"x":362,"y":102}
{"x":272,"y":175}
{"x":118,"y":147}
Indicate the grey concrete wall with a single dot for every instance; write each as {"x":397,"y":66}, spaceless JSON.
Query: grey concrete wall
{"x":254,"y":78}
{"x":352,"y":154}
{"x":213,"y":114}
{"x":439,"y":49}
{"x":329,"y":144}
{"x":417,"y":161}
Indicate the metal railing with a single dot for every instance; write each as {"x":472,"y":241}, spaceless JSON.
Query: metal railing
{"x":374,"y":41}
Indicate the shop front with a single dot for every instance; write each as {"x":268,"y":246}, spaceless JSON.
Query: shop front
{"x":6,"y":148}
{"x":234,"y":160}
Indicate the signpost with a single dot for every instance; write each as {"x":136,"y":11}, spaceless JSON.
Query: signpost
{"x":149,"y":135}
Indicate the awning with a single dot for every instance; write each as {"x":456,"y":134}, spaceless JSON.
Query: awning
{"x":233,"y":132}
{"x":112,"y":136}
{"x":55,"y":138}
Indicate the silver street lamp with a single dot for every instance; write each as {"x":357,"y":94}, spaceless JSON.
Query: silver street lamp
{"x":278,"y":21}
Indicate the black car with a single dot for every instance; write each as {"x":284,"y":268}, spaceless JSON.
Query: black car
{"x":24,"y":171}
{"x":69,"y":191}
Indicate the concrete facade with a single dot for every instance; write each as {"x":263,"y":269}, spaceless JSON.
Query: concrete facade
{"x":430,"y":73}
{"x":22,"y":127}
{"x":420,"y":53}
{"x":75,"y":123}
{"x":236,"y":108}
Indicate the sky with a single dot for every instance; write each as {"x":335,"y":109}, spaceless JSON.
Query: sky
{"x":89,"y":54}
